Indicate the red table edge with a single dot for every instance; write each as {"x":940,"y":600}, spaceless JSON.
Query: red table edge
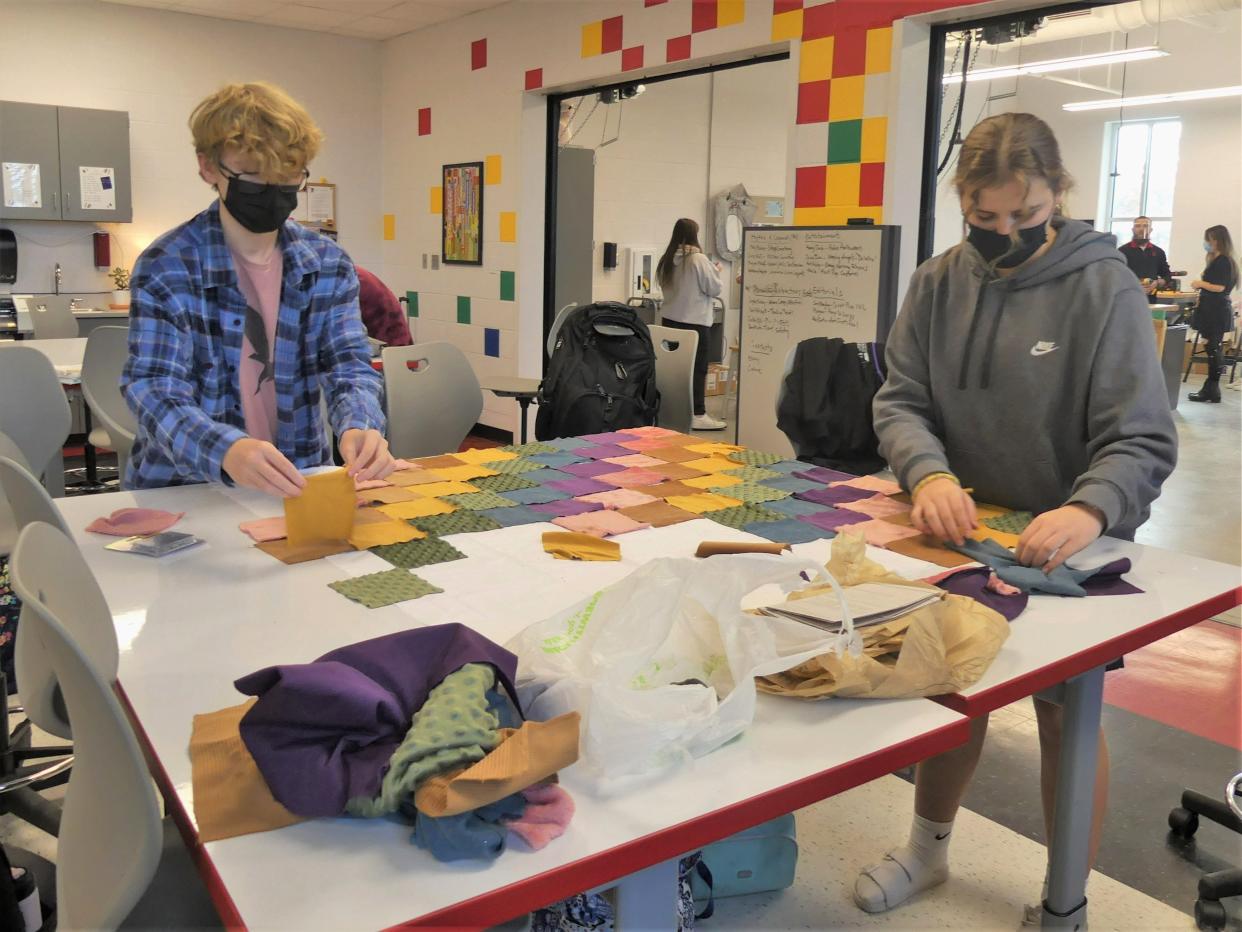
{"x":1028,"y":684}
{"x":605,"y":867}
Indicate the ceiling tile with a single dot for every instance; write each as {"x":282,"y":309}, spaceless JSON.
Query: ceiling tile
{"x":306,"y":17}
{"x":353,"y":7}
{"x":372,"y":27}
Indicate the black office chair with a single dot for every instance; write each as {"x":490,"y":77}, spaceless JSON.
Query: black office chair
{"x":1218,"y":885}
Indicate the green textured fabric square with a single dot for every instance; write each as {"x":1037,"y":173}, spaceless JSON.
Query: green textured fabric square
{"x":411,"y":303}
{"x":463,"y":310}
{"x":456,"y":522}
{"x":477,"y":501}
{"x":375,"y":590}
{"x":1015,"y":522}
{"x":508,"y":286}
{"x":740,"y":515}
{"x":845,"y":142}
{"x":753,"y":473}
{"x":534,"y":446}
{"x":752,"y":492}
{"x":415,"y":553}
{"x":503,"y":483}
{"x":755,"y":457}
{"x":516,"y":467}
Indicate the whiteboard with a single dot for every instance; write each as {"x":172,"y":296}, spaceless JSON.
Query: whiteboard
{"x":799,"y":283}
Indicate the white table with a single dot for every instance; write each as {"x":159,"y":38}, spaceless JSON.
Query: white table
{"x":190,"y":624}
{"x":65,"y":355}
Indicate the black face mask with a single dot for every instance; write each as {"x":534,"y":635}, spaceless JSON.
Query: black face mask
{"x":262,"y":210}
{"x":999,"y":248}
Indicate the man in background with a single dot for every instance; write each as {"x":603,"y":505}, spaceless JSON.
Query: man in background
{"x":382,"y":314}
{"x":1147,"y":260}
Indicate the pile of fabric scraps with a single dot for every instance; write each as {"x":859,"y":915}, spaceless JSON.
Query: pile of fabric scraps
{"x":421,"y":726}
{"x":1101,"y":580}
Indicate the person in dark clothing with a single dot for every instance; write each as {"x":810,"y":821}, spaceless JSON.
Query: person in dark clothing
{"x":1213,"y":317}
{"x":381,"y":311}
{"x":1147,"y":260}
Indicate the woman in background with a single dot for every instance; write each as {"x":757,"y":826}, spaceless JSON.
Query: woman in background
{"x":1213,"y":317}
{"x":689,"y":281}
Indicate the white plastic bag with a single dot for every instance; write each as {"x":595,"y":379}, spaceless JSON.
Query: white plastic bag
{"x":628,"y":658}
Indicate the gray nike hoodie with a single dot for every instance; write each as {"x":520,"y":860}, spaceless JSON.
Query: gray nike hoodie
{"x":1036,"y":389}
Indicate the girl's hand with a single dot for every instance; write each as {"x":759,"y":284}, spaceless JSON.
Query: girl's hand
{"x":944,"y":510}
{"x":1055,"y":536}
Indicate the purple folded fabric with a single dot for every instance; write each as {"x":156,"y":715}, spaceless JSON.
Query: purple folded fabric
{"x":831,"y":519}
{"x":1107,"y":580}
{"x":822,"y":474}
{"x":567,"y":507}
{"x":322,"y":733}
{"x":589,"y":469}
{"x":614,"y":436}
{"x":580,"y":486}
{"x":972,"y":582}
{"x":835,"y":495}
{"x":601,"y":451}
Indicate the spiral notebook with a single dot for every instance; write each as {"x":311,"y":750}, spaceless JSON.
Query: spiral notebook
{"x":869,"y":604}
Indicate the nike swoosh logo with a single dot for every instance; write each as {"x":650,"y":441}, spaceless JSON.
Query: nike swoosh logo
{"x":944,"y":836}
{"x":1042,"y":351}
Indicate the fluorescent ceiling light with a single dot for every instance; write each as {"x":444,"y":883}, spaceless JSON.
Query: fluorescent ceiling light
{"x":1117,"y":103}
{"x":1059,"y":64}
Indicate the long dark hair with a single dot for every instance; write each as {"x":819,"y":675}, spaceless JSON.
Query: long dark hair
{"x":1222,"y":242}
{"x":685,"y":233}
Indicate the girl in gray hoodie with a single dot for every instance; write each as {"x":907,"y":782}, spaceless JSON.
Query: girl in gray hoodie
{"x":1023,"y":365}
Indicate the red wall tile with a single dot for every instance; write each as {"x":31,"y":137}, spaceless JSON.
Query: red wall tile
{"x":813,"y":102}
{"x":632,"y":58}
{"x":653,"y":2}
{"x":612,"y":35}
{"x":702,"y":15}
{"x":820,"y":21}
{"x":785,"y":6}
{"x":849,"y":52}
{"x":677,"y":49}
{"x":478,"y":54}
{"x":811,"y":186}
{"x":534,"y":79}
{"x":424,"y":121}
{"x":871,"y":184}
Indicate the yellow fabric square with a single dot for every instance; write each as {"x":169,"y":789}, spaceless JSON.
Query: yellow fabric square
{"x":845,"y":98}
{"x":711,"y":464}
{"x":874,"y":137}
{"x":983,"y":532}
{"x":324,"y":511}
{"x":492,"y":170}
{"x":423,"y":508}
{"x":448,"y":487}
{"x":711,"y":480}
{"x":816,"y":61}
{"x":811,"y":217}
{"x":390,"y":226}
{"x":489,"y":455}
{"x":437,"y":200}
{"x":843,"y":185}
{"x":879,"y":50}
{"x":787,"y":25}
{"x":714,"y":447}
{"x":701,"y":504}
{"x":593,"y":39}
{"x":392,"y":531}
{"x":463,"y":473}
{"x":730,"y":12}
{"x":508,"y":226}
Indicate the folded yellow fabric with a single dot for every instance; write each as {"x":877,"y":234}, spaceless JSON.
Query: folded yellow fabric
{"x":392,"y":531}
{"x":566,"y":545}
{"x":422,"y":508}
{"x":324,"y":511}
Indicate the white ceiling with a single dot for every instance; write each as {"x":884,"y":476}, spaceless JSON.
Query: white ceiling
{"x":364,"y":19}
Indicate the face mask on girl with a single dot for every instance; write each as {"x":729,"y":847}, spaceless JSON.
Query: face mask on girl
{"x":999,"y":248}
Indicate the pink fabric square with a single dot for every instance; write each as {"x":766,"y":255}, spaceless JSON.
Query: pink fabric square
{"x":361,"y":485}
{"x":634,"y":460}
{"x":872,"y":484}
{"x":649,"y":431}
{"x":129,"y":522}
{"x":879,"y":507}
{"x":619,"y":498}
{"x":639,"y":444}
{"x":262,"y":530}
{"x":603,"y":523}
{"x":880,"y":533}
{"x":402,"y":464}
{"x":627,"y":478}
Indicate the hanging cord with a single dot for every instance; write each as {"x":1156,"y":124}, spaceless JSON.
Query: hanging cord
{"x":961,"y":106}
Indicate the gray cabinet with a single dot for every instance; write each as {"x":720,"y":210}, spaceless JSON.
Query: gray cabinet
{"x":83,"y":159}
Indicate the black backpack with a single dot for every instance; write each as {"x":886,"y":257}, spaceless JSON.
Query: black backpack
{"x":601,"y":376}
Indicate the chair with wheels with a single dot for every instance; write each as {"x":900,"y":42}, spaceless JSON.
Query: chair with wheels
{"x":674,"y":352}
{"x":1218,"y":885}
{"x":34,"y":413}
{"x":433,"y":398}
{"x":107,"y":349}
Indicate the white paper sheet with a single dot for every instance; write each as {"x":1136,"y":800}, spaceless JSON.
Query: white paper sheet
{"x":23,"y":186}
{"x":98,"y":187}
{"x":320,"y":203}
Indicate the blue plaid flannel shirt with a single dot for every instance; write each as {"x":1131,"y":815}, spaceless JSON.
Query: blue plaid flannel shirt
{"x":187,"y":315}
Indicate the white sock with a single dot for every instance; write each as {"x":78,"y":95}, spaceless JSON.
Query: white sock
{"x":921,"y":863}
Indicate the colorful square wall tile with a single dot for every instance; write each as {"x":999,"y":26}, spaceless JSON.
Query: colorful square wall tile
{"x":879,"y":49}
{"x":632,"y":58}
{"x":842,"y":185}
{"x":816,"y":61}
{"x":871,"y":185}
{"x":849,"y":52}
{"x":653,"y":2}
{"x":677,"y":49}
{"x":411,"y":303}
{"x":390,"y":226}
{"x":610,"y":35}
{"x":730,"y":12}
{"x":813,"y":102}
{"x":491,"y":342}
{"x":493,"y":169}
{"x":424,"y":121}
{"x":702,"y":15}
{"x":534,"y":79}
{"x":847,"y":99}
{"x":819,"y":21}
{"x":478,"y":54}
{"x":810,"y":185}
{"x":508,"y":226}
{"x":785,"y":6}
{"x":508,"y":288}
{"x":463,"y":309}
{"x":844,"y":141}
{"x":874,"y":139}
{"x":435,"y":200}
{"x":787,"y":25}
{"x":592,"y":39}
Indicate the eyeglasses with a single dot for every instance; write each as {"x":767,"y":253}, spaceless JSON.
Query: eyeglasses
{"x":247,"y":186}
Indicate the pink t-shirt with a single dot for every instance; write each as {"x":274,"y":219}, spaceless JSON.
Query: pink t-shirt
{"x":260,"y":285}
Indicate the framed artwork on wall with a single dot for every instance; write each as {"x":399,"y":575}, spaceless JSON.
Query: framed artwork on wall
{"x":461,"y":241}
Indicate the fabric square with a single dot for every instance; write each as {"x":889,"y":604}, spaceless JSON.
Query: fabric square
{"x":1005,"y":539}
{"x":635,"y":460}
{"x":752,"y":473}
{"x":673,"y":454}
{"x":464,"y":473}
{"x":485,"y":455}
{"x":650,"y":430}
{"x":512,"y":517}
{"x":416,"y":553}
{"x":563,"y":444}
{"x":478,"y":501}
{"x":444,"y":461}
{"x":618,"y":498}
{"x":556,"y":460}
{"x":1015,"y":522}
{"x":568,"y":506}
{"x":787,"y":467}
{"x":834,"y":495}
{"x":375,"y":590}
{"x":844,"y":142}
{"x":457,"y":522}
{"x":847,"y":99}
{"x":787,"y":531}
{"x":642,"y":444}
{"x":658,"y":514}
{"x":794,"y":507}
{"x":878,"y":507}
{"x":516,"y":467}
{"x":536,"y":496}
{"x":881,"y":533}
{"x":711,"y":464}
{"x":405,"y":478}
{"x":823,"y":475}
{"x":754,"y":492}
{"x":832,"y":519}
{"x":588,"y":469}
{"x":601,"y":451}
{"x":872,"y":484}
{"x":628,"y":478}
{"x":579,"y":486}
{"x":287,"y":553}
{"x":849,"y":52}
{"x":421,"y":508}
{"x":703,"y":502}
{"x":741,"y":515}
{"x":600,"y":523}
{"x":930,"y":550}
{"x":606,"y":437}
{"x":502,"y":483}
{"x":388,"y":495}
{"x":871,"y":184}
{"x":547,"y":476}
{"x":718,"y":480}
{"x":791,"y":484}
{"x":715,"y":448}
{"x":676,"y":471}
{"x":261,"y":530}
{"x":440,"y":489}
{"x":810,"y":185}
{"x":665,"y":489}
{"x":368,"y":534}
{"x":534,"y":446}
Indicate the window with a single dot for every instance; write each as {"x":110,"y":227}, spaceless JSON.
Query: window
{"x":1140,"y":167}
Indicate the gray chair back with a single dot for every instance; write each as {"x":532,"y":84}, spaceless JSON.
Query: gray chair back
{"x":33,"y":410}
{"x":107,"y":349}
{"x":433,"y":398}
{"x":51,"y":318}
{"x":674,"y":354}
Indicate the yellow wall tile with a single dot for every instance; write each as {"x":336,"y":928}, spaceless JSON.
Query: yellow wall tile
{"x":879,"y":49}
{"x":437,"y":200}
{"x":839,"y":216}
{"x":845,"y":98}
{"x":730,"y":12}
{"x":843,"y":185}
{"x":592,"y":39}
{"x":874,"y":135}
{"x":785,"y":26}
{"x":508,"y":226}
{"x":810,"y":216}
{"x":492,"y":170}
{"x":816,"y":62}
{"x":390,"y":226}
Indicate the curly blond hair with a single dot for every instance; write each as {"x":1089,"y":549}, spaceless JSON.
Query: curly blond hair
{"x":258,"y":120}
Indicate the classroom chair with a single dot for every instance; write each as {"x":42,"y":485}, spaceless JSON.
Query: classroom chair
{"x":107,"y":349}
{"x":8,"y":522}
{"x":433,"y":398}
{"x":674,"y":352}
{"x":34,"y":413}
{"x":51,"y":318}
{"x":117,"y":866}
{"x":1229,"y":356}
{"x":1217,"y":885}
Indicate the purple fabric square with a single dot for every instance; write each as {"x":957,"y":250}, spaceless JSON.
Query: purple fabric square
{"x":601,"y":451}
{"x":589,"y":469}
{"x":614,"y":436}
{"x":570,"y":506}
{"x":835,"y":495}
{"x":585,"y":487}
{"x":820,"y":474}
{"x":830,"y":519}
{"x":1108,"y":581}
{"x":972,"y":582}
